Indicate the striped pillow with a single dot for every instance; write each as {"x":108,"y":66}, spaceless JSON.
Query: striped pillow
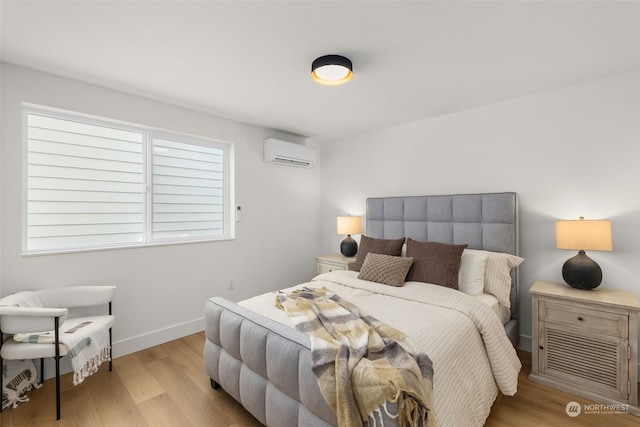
{"x":497,"y":275}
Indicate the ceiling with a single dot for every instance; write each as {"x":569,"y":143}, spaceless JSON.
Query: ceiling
{"x":250,"y":61}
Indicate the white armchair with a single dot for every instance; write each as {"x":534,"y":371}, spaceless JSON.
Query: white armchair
{"x":34,"y":325}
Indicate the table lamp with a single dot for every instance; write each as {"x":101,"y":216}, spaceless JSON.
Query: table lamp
{"x":582,"y":272}
{"x":349,"y":225}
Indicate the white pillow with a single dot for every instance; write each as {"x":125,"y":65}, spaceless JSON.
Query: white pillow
{"x":497,"y":275}
{"x":472,"y":271}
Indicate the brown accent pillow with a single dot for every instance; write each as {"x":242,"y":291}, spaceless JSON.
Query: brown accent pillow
{"x":377,"y":246}
{"x":433,"y":262}
{"x":385,"y":269}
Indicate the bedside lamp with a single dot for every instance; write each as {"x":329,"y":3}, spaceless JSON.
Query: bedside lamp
{"x":582,"y":272}
{"x":348,"y":225}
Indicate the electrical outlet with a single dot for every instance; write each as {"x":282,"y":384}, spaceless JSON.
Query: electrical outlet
{"x":231,"y":284}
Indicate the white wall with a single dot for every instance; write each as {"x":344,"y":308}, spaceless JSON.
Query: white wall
{"x":569,"y":152}
{"x":162,"y":290}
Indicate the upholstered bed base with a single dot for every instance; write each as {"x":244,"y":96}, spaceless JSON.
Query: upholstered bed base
{"x":265,"y":366}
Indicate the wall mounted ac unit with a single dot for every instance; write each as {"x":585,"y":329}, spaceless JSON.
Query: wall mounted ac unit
{"x":289,"y":154}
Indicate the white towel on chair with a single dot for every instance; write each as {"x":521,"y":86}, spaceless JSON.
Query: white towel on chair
{"x":86,"y":339}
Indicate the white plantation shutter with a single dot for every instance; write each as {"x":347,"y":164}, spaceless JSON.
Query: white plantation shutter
{"x":88,"y":185}
{"x":188,"y":190}
{"x":85,"y":185}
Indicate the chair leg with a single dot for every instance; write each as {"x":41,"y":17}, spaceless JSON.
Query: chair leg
{"x":110,"y":353}
{"x":42,"y":370}
{"x":1,"y":370}
{"x":57,"y":356}
{"x":110,"y":346}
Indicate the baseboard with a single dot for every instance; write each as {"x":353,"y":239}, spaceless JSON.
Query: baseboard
{"x":157,"y":337}
{"x":133,"y":344}
{"x":525,"y":343}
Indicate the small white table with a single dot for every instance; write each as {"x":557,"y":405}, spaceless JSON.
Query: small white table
{"x":330,"y":262}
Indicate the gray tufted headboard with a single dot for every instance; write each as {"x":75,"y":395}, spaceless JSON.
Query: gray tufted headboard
{"x":483,"y":221}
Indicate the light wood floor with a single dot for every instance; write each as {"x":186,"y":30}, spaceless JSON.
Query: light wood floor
{"x":166,"y":386}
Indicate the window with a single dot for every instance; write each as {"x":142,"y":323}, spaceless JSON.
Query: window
{"x":99,"y":184}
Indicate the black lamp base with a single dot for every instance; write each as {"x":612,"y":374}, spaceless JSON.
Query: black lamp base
{"x":581,"y":272}
{"x":349,"y":247}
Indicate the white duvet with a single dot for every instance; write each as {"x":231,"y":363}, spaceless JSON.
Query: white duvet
{"x":472,"y":356}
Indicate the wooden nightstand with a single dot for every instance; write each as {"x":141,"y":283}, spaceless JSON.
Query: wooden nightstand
{"x":585,"y":342}
{"x":327,"y":263}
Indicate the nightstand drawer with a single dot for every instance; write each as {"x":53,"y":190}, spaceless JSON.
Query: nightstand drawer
{"x":326,"y":268}
{"x":595,"y":321}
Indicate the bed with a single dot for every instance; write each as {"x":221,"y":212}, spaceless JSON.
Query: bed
{"x":254,"y":353}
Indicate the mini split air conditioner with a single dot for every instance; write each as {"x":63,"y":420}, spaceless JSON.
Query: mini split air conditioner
{"x":289,"y":154}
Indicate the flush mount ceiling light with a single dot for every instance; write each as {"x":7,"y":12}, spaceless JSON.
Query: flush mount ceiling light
{"x":332,"y":70}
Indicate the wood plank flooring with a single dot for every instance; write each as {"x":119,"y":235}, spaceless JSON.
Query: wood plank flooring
{"x":166,"y":386}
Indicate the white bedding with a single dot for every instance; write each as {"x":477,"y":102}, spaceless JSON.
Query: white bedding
{"x":469,"y":366}
{"x":503,"y":313}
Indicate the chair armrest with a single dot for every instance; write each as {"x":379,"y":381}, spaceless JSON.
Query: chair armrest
{"x":76,"y":296}
{"x":15,"y":320}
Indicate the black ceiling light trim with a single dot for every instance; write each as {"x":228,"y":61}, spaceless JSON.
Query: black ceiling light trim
{"x":331,"y":70}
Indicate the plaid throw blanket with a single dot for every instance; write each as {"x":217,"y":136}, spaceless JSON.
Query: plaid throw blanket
{"x":359,"y":362}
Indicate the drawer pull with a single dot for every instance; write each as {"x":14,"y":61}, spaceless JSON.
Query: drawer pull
{"x":580,"y":319}
{"x":541,"y":348}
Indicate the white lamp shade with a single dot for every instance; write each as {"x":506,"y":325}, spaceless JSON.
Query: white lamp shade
{"x":587,"y":235}
{"x":349,"y":225}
